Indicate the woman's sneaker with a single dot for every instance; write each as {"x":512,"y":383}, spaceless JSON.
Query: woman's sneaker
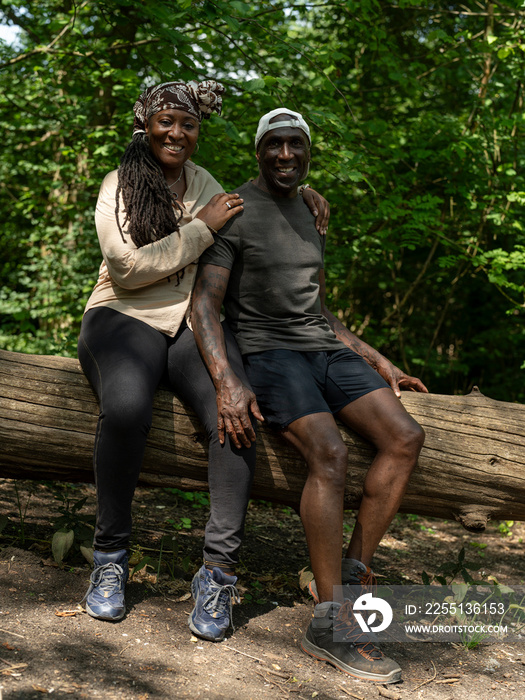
{"x":213,"y":592}
{"x":105,"y":596}
{"x":355,"y":654}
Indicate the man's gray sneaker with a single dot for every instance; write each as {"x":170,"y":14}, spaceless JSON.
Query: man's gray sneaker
{"x":355,"y":655}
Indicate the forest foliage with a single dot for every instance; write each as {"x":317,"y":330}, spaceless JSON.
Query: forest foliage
{"x":418,"y":132}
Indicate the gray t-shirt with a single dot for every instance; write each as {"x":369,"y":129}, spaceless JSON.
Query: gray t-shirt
{"x":274,"y":253}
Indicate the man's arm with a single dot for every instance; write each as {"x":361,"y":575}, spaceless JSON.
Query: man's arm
{"x":393,"y":375}
{"x":234,"y":399}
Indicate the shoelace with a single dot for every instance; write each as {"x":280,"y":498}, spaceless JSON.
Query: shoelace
{"x":107,"y":577}
{"x":223,"y":596}
{"x":345,"y":622}
{"x":367,"y":579}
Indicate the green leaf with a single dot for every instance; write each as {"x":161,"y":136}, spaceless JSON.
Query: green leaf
{"x":61,"y":544}
{"x":460,"y":590}
{"x":254,"y":85}
{"x":232,"y":131}
{"x":87,"y":552}
{"x":504,"y":590}
{"x":243,"y":8}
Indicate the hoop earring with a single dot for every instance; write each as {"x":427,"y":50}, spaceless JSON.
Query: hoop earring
{"x":196,"y":149}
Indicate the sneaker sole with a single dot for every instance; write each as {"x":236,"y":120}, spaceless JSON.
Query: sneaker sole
{"x":198,"y":633}
{"x":323,"y":655}
{"x":103,"y":617}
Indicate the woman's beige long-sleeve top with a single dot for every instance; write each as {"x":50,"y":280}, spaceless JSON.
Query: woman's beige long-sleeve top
{"x":142,"y":282}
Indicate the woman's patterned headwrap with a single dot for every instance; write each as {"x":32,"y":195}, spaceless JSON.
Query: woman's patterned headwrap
{"x":199,"y":99}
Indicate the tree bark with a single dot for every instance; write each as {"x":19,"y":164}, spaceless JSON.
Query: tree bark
{"x":471,"y":468}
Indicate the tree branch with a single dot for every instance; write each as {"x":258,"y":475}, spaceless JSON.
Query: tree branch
{"x":414,"y":284}
{"x":87,"y":54}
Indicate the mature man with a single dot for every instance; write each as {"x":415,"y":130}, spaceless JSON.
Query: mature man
{"x":305,"y":367}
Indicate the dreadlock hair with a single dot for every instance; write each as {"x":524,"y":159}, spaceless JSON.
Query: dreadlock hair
{"x":148,"y":201}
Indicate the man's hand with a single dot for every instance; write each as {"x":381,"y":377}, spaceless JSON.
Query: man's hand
{"x":235,"y":401}
{"x":398,"y":379}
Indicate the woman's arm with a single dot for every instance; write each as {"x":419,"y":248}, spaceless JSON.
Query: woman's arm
{"x":319,"y":207}
{"x":133,"y":268}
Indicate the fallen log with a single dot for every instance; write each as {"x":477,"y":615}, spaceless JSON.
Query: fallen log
{"x":471,"y":468}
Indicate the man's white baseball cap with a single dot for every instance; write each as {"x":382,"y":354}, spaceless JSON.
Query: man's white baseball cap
{"x":296,"y":121}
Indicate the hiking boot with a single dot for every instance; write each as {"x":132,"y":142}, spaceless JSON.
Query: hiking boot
{"x":213,"y":592}
{"x":355,"y":654}
{"x":353,"y":573}
{"x":105,"y":597}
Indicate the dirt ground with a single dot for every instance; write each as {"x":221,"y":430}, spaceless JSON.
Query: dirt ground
{"x":49,"y":647}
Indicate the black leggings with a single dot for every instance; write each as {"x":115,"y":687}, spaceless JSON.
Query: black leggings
{"x":124,"y":359}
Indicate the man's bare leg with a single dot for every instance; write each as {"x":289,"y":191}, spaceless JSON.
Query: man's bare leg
{"x":381,"y":419}
{"x":317,"y":439}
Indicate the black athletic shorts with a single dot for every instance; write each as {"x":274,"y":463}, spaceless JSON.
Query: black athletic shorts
{"x":290,"y":384}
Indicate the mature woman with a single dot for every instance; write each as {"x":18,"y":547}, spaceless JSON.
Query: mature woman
{"x":155,"y":215}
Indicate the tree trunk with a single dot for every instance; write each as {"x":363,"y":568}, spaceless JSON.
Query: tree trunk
{"x":471,"y":468}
